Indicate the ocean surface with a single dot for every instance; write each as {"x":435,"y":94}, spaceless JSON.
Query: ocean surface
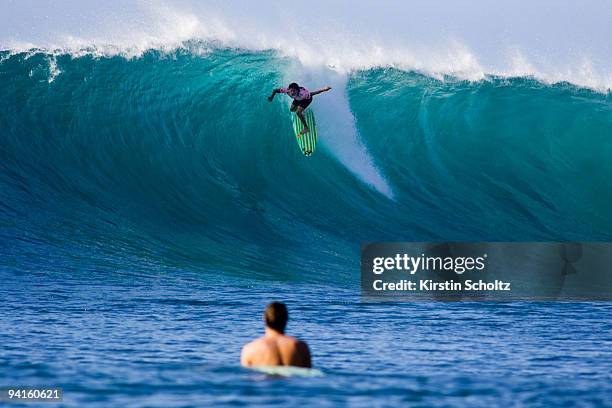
{"x":151,"y":206}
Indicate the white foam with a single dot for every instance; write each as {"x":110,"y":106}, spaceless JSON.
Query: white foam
{"x":54,"y":71}
{"x":552,"y":40}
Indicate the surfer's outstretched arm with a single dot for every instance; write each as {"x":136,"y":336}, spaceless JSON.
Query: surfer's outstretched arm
{"x":327,"y":88}
{"x":274,"y":92}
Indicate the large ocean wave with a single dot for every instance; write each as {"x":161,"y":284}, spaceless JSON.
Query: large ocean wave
{"x":176,"y":159}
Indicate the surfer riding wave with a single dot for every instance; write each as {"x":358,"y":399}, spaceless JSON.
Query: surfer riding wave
{"x":302,"y":97}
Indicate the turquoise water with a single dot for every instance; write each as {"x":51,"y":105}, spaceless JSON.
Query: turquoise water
{"x":150,"y":207}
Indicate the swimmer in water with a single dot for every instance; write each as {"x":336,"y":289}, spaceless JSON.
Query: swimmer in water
{"x":275,"y":348}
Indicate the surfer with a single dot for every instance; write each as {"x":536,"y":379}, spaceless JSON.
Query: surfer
{"x":302,"y":97}
{"x":275,"y":348}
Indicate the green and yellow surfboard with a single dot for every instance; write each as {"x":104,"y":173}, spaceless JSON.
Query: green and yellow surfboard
{"x":308,"y":141}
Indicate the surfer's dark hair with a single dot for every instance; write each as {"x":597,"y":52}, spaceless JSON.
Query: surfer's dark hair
{"x":276,"y":316}
{"x":293,"y":85}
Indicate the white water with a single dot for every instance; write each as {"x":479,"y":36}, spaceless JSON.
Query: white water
{"x":552,"y":40}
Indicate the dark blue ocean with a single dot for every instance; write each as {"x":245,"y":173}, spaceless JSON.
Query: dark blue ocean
{"x":150,"y":207}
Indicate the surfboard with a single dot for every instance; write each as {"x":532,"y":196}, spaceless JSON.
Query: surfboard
{"x":308,"y":141}
{"x":289,"y":371}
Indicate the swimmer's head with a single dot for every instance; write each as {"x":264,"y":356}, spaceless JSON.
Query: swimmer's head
{"x":293,"y":86}
{"x":276,"y":316}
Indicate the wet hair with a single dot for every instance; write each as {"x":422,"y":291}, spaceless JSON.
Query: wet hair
{"x":293,"y":85}
{"x":276,"y":316}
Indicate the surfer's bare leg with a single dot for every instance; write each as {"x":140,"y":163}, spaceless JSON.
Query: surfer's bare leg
{"x":299,"y":111}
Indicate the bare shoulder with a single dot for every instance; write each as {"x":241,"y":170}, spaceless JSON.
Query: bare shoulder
{"x":287,"y":341}
{"x":301,"y":345}
{"x":301,"y":349}
{"x":249,"y":350}
{"x":299,"y":353}
{"x":255,"y":344}
{"x":293,"y":342}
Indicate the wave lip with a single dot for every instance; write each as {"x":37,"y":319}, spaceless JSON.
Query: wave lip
{"x":470,"y":40}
